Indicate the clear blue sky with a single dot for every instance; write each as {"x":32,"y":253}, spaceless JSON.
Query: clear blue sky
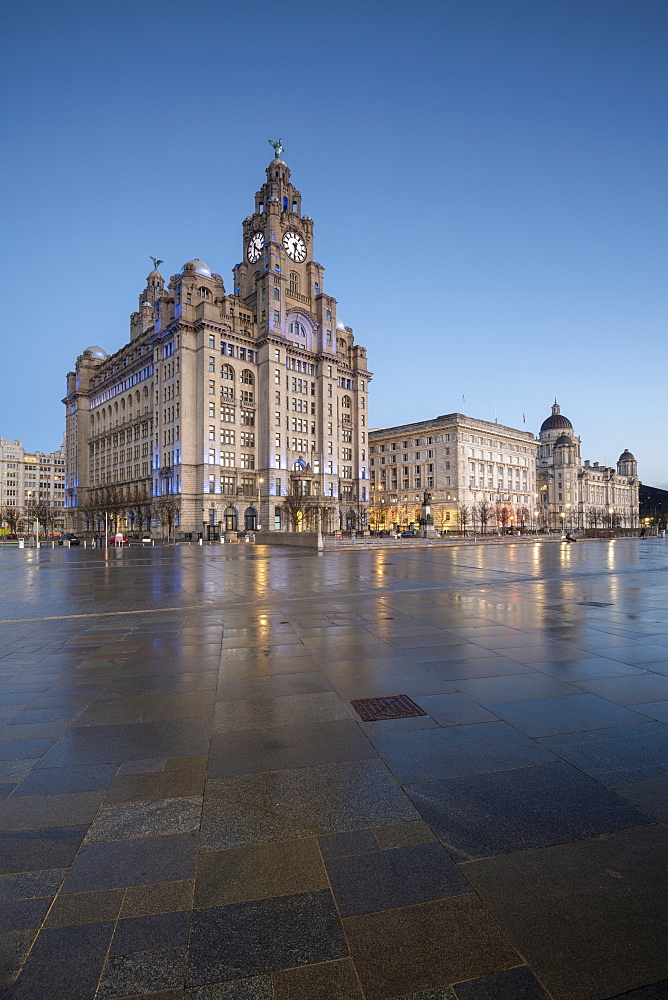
{"x":487,"y":180}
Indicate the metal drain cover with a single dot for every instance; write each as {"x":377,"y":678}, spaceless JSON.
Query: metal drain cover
{"x":396,"y":706}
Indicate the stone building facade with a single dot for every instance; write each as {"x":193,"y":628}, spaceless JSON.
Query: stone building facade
{"x":219,"y":399}
{"x":32,"y":477}
{"x":579,"y":494}
{"x":464,"y":463}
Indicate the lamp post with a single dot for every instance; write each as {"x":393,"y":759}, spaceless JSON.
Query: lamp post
{"x":611,"y":512}
{"x":569,"y":525}
{"x":562,"y":515}
{"x":258,"y":526}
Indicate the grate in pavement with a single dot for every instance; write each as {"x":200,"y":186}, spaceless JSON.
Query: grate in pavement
{"x":395,"y":706}
{"x":594,"y":604}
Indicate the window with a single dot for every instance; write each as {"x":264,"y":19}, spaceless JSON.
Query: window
{"x":248,"y":418}
{"x":277,"y":317}
{"x":212,"y":433}
{"x":277,"y":295}
{"x":204,"y":293}
{"x":247,"y":461}
{"x":212,"y":387}
{"x":212,"y":411}
{"x":247,"y":377}
{"x":212,"y":364}
{"x":227,"y":372}
{"x":226,"y":436}
{"x":212,"y":456}
{"x":227,"y":459}
{"x":294,"y":281}
{"x":345,"y":402}
{"x":247,"y":397}
{"x":347,"y":472}
{"x":227,"y":414}
{"x":227,"y":484}
{"x":277,"y":399}
{"x":212,"y":341}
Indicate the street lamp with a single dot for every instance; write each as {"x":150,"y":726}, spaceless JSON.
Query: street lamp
{"x":259,"y":501}
{"x":611,"y":511}
{"x":562,"y":516}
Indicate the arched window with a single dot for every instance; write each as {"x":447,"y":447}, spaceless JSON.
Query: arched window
{"x":297,"y":329}
{"x":345,"y":402}
{"x":204,"y":293}
{"x":294,"y":281}
{"x":329,"y":314}
{"x":247,"y":377}
{"x":227,"y":371}
{"x":277,"y":294}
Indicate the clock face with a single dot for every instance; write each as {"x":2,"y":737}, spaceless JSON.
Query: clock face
{"x":255,"y":246}
{"x":294,"y":246}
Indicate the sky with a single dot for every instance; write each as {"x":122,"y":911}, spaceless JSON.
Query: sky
{"x":486,"y":177}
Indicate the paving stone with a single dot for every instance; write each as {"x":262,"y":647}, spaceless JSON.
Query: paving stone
{"x":400,"y":952}
{"x":651,"y":796}
{"x":243,"y":873}
{"x":134,"y":741}
{"x":33,"y":811}
{"x":55,"y":780}
{"x":245,"y":939}
{"x":161,"y":897}
{"x":475,"y":816}
{"x":616,"y":756}
{"x":142,"y":972}
{"x":145,"y":819}
{"x":401,"y":876}
{"x":439,"y":753}
{"x":586,"y":915}
{"x":168,"y":784}
{"x":267,"y":713}
{"x":71,"y":944}
{"x":252,"y":988}
{"x":283,"y":805}
{"x":85,"y":908}
{"x":405,"y":834}
{"x":565,"y":714}
{"x":159,"y":930}
{"x":22,"y":914}
{"x":50,"y":847}
{"x":286,"y":747}
{"x":515,"y":984}
{"x":65,"y":981}
{"x":132,"y":862}
{"x":339,"y":845}
{"x":454,"y":709}
{"x":326,"y":981}
{"x":26,"y":885}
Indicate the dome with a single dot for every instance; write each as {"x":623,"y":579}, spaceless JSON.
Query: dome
{"x":197,"y":265}
{"x":155,"y":273}
{"x":556,"y":421}
{"x":95,"y":352}
{"x":340,"y":325}
{"x":562,"y":439}
{"x":626,"y":456}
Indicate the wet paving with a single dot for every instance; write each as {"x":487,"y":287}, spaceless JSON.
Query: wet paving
{"x":192,"y":810}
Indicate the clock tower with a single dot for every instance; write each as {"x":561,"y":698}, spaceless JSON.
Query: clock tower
{"x":320,"y":420}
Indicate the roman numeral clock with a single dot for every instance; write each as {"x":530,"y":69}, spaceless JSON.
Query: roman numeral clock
{"x":294,"y":246}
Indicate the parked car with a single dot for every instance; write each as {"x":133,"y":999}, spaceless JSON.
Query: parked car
{"x":72,"y":539}
{"x":408,"y":534}
{"x":118,"y":540}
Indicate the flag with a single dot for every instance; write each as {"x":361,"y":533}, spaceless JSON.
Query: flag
{"x":524,"y":419}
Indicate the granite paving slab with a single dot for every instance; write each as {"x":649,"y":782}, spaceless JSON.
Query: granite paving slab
{"x":285,"y":747}
{"x":475,"y":816}
{"x":282,"y":805}
{"x":587,"y":914}
{"x":565,"y":714}
{"x":440,"y":753}
{"x":245,"y":939}
{"x":616,"y":756}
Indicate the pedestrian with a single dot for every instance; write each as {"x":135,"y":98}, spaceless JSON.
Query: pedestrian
{"x":642,"y":532}
{"x":569,"y":537}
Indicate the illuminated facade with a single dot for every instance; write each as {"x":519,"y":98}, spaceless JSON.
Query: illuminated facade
{"x":29,"y":478}
{"x":478,"y":473}
{"x":217,"y":398}
{"x":576,"y":494}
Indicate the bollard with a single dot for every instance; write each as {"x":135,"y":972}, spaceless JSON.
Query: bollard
{"x":22,"y":543}
{"x":199,"y":541}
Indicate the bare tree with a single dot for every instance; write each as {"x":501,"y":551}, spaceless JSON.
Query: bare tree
{"x":502,"y":516}
{"x":13,"y":516}
{"x":167,"y":509}
{"x":44,"y":512}
{"x":483,"y":512}
{"x":139,"y":509}
{"x":522,"y":517}
{"x":463,"y":517}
